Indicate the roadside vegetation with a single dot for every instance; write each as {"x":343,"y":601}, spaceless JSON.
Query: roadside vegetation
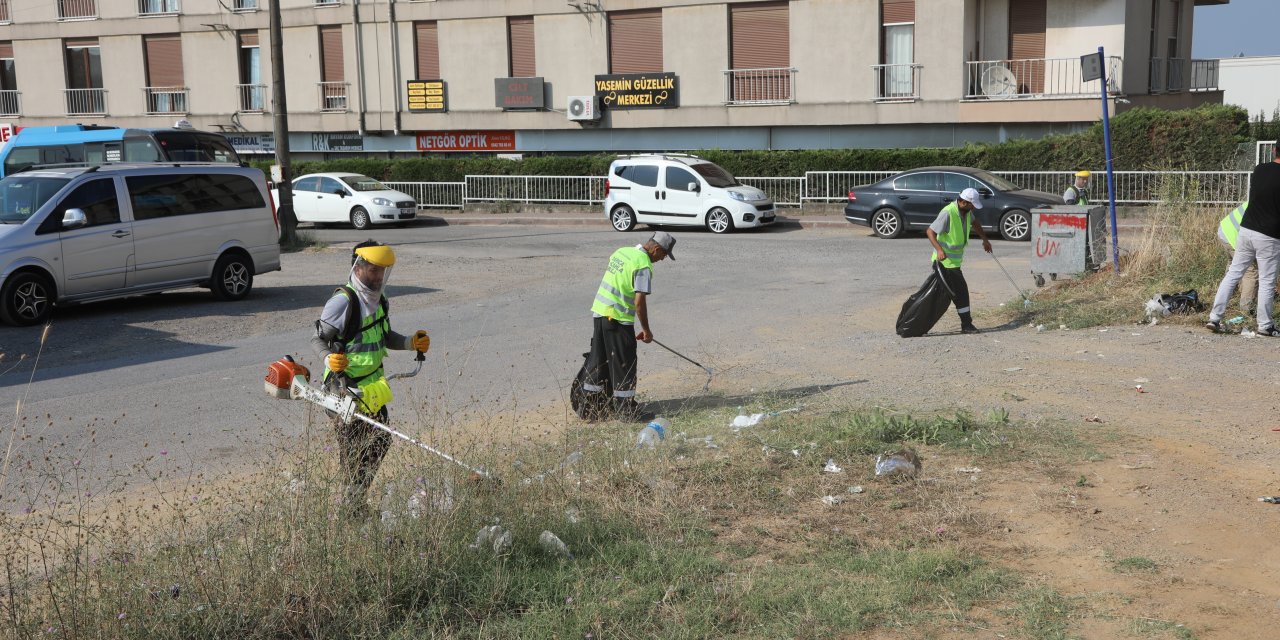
{"x":714,"y":533}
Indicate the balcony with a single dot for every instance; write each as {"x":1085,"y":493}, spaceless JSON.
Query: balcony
{"x":253,"y":98}
{"x":897,"y":82}
{"x":4,"y":12}
{"x":239,"y":6}
{"x":327,"y":3}
{"x":749,"y":87}
{"x":10,"y":103}
{"x":77,"y":9}
{"x":86,"y":102}
{"x":1173,"y":75}
{"x":1041,"y":78}
{"x":166,"y":100}
{"x":159,"y":7}
{"x":333,"y":97}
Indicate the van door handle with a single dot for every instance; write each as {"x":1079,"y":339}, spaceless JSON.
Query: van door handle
{"x":120,"y":233}
{"x":903,"y":197}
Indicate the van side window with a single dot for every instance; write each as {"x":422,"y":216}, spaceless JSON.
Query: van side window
{"x":160,"y":196}
{"x":955,"y":182}
{"x":141,"y":150}
{"x":97,"y":198}
{"x":645,"y":175}
{"x":678,"y":179}
{"x":21,"y":159}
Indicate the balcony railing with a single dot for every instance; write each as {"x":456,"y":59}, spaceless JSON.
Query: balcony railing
{"x":86,"y":102}
{"x":897,"y":82}
{"x":166,"y":100}
{"x":244,"y":5}
{"x":1171,"y":75}
{"x":333,"y":96}
{"x":1204,"y":75}
{"x":10,"y":103}
{"x":77,"y":9}
{"x":760,"y":86}
{"x":328,"y":3}
{"x":159,"y":7}
{"x":1035,"y":78}
{"x":253,"y":97}
{"x":4,"y":12}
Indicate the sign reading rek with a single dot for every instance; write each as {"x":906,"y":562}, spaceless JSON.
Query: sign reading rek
{"x":427,"y":96}
{"x":519,"y":93}
{"x":638,"y":91}
{"x":466,"y":140}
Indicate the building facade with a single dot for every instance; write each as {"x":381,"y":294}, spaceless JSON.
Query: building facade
{"x":522,"y":76}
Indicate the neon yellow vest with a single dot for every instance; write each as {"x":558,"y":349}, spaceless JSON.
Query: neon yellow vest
{"x":616,"y":297}
{"x":366,"y":351}
{"x":1230,"y":225}
{"x":1080,"y":199}
{"x":956,"y":237}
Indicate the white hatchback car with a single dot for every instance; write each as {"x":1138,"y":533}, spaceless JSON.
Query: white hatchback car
{"x":349,"y":197}
{"x":680,"y":189}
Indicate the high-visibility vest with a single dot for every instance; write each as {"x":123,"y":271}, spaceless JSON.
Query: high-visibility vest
{"x":366,"y":350}
{"x":1230,"y":225}
{"x":1081,"y":194}
{"x":616,"y":297}
{"x":956,"y":237}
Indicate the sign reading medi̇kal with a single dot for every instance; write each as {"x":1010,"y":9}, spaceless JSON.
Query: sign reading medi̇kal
{"x":519,"y":93}
{"x":638,"y":91}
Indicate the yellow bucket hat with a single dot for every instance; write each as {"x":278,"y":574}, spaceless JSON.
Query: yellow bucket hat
{"x":1082,"y":174}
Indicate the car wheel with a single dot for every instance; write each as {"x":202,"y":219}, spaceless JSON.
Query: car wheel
{"x":28,"y":299}
{"x":360,"y":218}
{"x":623,"y":218}
{"x":1015,"y":225}
{"x":886,"y":223}
{"x":719,"y":220}
{"x":232,"y":277}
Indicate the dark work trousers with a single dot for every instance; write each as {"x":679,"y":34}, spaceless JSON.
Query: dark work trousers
{"x":613,"y":352}
{"x":954,"y":279}
{"x":361,"y":448}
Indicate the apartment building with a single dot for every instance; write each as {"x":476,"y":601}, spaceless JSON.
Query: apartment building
{"x":524,"y":76}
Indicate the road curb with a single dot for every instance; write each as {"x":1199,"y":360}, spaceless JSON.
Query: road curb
{"x":497,"y":220}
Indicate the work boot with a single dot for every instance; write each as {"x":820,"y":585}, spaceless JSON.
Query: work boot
{"x":1271,"y":332}
{"x":1214,"y":326}
{"x":969,"y":328}
{"x":627,"y":409}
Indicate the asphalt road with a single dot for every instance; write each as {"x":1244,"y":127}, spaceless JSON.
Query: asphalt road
{"x":126,"y":389}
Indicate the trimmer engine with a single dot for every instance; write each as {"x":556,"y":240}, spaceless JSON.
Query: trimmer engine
{"x":280,"y":375}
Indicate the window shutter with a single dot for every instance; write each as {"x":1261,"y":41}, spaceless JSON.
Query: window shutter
{"x":427,"y":50}
{"x":1026,"y":42}
{"x":6,"y":49}
{"x":523,"y":62}
{"x":897,"y":11}
{"x":635,"y":41}
{"x":164,"y":60}
{"x":248,"y":38}
{"x":76,"y":43}
{"x":331,"y":54}
{"x":760,"y":35}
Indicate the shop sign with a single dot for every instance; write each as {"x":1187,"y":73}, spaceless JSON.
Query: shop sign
{"x":337,"y":142}
{"x":466,"y":140}
{"x":519,"y":93}
{"x":638,"y":91}
{"x":428,"y":96}
{"x":252,"y":142}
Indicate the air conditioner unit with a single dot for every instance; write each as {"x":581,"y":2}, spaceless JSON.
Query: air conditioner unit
{"x":583,"y":108}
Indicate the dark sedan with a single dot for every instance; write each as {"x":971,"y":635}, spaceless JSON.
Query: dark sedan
{"x":912,"y":200}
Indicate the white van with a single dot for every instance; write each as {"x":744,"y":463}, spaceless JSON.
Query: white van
{"x":72,"y":235}
{"x":679,"y":189}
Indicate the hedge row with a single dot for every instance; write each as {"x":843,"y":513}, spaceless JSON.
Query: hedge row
{"x":1203,"y":139}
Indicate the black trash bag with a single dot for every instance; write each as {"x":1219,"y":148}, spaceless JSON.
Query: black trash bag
{"x":924,"y":308}
{"x":590,"y":406}
{"x":1185,"y":302}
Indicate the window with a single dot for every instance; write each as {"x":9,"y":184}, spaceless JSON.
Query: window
{"x":897,"y":46}
{"x":165,"y":91}
{"x":333,"y":86}
{"x":329,"y":185}
{"x":678,"y":179}
{"x":160,"y":196}
{"x":956,"y":182}
{"x":252,"y":92}
{"x":244,"y":5}
{"x":917,"y":182}
{"x":760,"y":52}
{"x":141,"y":149}
{"x":22,"y":196}
{"x":645,"y":175}
{"x":184,"y":146}
{"x":4,"y":11}
{"x":97,"y":198}
{"x":84,"y":64}
{"x":8,"y":82}
{"x":522,"y":61}
{"x":158,"y":7}
{"x":1027,"y":20}
{"x":635,"y":41}
{"x":715,"y":175}
{"x":307,"y":184}
{"x":426,"y":46}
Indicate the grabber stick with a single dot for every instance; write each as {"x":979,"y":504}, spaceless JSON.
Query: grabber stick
{"x":1026,"y":302}
{"x":691,"y":360}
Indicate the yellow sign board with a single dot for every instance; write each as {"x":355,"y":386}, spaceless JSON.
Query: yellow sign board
{"x":427,"y":96}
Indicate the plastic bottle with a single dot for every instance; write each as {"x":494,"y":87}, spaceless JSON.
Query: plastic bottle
{"x":553,"y":545}
{"x":652,"y":433}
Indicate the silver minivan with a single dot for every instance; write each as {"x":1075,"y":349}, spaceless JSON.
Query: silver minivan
{"x":72,"y":235}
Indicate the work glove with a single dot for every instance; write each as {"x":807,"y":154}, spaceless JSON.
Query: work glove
{"x":420,"y":341}
{"x":337,"y":362}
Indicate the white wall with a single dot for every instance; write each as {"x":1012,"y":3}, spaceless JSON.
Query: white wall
{"x":1251,"y":83}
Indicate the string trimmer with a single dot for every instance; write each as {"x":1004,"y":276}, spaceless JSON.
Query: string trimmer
{"x":288,"y":380}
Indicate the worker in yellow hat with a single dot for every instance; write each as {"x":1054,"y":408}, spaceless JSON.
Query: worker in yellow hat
{"x":1078,"y":192}
{"x":352,"y":336}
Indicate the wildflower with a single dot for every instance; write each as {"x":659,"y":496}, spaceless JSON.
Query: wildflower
{"x":122,"y":616}
{"x":164,"y":452}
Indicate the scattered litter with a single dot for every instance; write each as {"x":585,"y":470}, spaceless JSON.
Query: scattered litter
{"x":903,"y":463}
{"x":1141,"y":380}
{"x":1271,"y":499}
{"x":832,"y":467}
{"x":1094,"y":419}
{"x":1132,"y":467}
{"x":968,"y":470}
{"x":744,"y":420}
{"x":571,"y":514}
{"x":1140,"y":389}
{"x":1163,"y":304}
{"x":1062,"y":327}
{"x":1039,"y":328}
{"x":569,"y":460}
{"x":1012,"y":369}
{"x":553,"y":545}
{"x":493,"y":537}
{"x":795,"y":452}
{"x":857,"y":488}
{"x":1248,"y":333}
{"x":1236,"y":320}
{"x":709,"y":444}
{"x":832,"y":501}
{"x":1103,"y":330}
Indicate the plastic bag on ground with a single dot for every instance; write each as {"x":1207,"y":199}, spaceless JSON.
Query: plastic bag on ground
{"x":900,"y":464}
{"x":924,"y":308}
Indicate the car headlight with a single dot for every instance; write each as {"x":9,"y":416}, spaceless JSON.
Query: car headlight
{"x":737,"y":196}
{"x":382,"y":202}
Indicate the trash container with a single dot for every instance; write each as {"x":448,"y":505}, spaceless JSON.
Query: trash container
{"x":1067,"y":240}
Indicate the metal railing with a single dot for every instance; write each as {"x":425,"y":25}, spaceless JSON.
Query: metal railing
{"x":433,"y":195}
{"x":10,"y":103}
{"x":244,"y":5}
{"x":1266,"y":151}
{"x":897,"y":82}
{"x":1036,"y":78}
{"x":535,"y":189}
{"x":333,"y":96}
{"x":786,"y":192}
{"x":86,"y":102}
{"x":834,"y":186}
{"x":166,"y":100}
{"x":159,"y":7}
{"x":760,"y":86}
{"x":1204,"y":75}
{"x":77,"y":9}
{"x":5,"y":17}
{"x":1171,"y":75}
{"x":253,"y":97}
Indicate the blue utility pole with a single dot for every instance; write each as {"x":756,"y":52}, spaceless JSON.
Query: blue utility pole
{"x":1111,"y":176}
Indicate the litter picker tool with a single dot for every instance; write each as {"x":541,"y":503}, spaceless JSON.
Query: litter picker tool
{"x":286,"y":379}
{"x":1026,"y":302}
{"x":707,"y":369}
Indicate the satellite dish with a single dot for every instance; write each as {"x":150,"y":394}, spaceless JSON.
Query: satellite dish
{"x":999,"y":81}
